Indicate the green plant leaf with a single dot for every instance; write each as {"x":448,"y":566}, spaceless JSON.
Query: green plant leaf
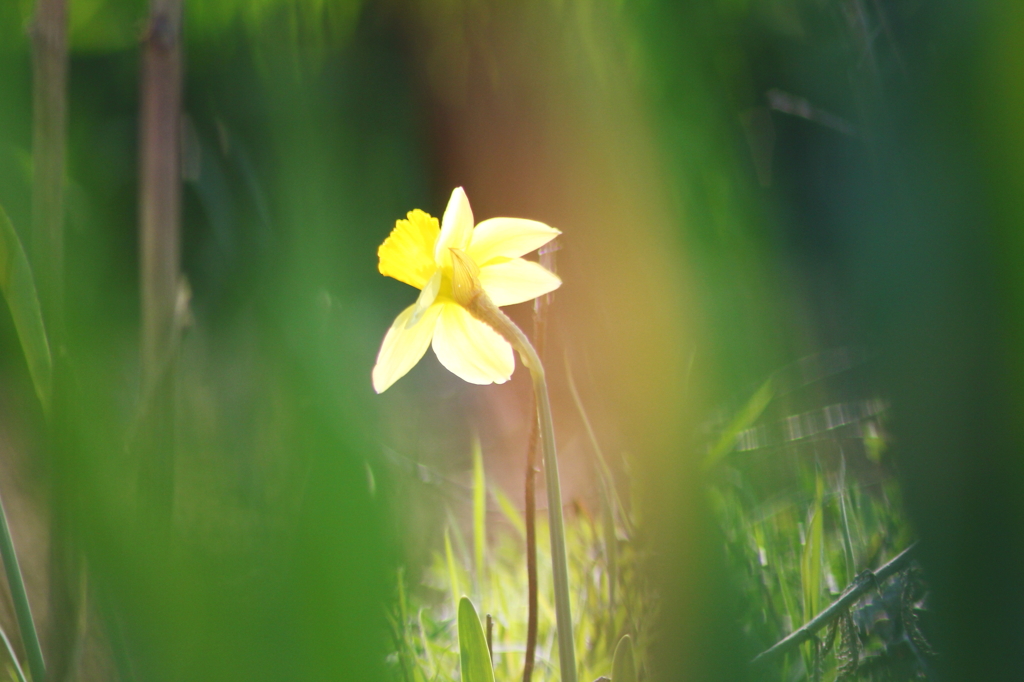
{"x":453,"y":572}
{"x":509,"y":510}
{"x":479,"y":516}
{"x":811,"y":562}
{"x":623,"y":668}
{"x":743,"y":420}
{"x":19,"y":289}
{"x":476,"y":661}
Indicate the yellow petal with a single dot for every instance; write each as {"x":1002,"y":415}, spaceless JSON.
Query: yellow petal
{"x":508,"y":238}
{"x":408,"y":252}
{"x":403,"y":346}
{"x":470,"y":349}
{"x":456,"y":227}
{"x":426,"y":298}
{"x":516,"y":281}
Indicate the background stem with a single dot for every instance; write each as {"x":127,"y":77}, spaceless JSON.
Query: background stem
{"x":49,"y":126}
{"x":46,"y":254}
{"x":159,"y":218}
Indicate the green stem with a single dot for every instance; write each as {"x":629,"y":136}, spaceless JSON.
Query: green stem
{"x":484,"y":309}
{"x":20,"y":598}
{"x":14,"y":658}
{"x":559,"y":564}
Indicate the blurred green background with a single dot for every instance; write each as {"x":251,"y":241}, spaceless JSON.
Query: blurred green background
{"x":747,"y":188}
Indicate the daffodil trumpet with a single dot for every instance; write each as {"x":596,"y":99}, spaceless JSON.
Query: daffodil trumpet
{"x":464,"y":273}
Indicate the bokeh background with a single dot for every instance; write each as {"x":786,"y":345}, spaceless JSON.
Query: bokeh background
{"x":741,"y":185}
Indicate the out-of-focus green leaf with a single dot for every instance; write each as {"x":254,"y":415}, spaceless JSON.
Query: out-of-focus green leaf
{"x":509,"y":510}
{"x":453,"y":574}
{"x":476,"y":661}
{"x":623,"y":668}
{"x":810,"y":564}
{"x":742,"y":421}
{"x":810,"y":561}
{"x":19,"y":289}
{"x":479,"y":514}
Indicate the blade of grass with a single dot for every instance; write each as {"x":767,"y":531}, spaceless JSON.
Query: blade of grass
{"x":453,"y":574}
{"x":476,"y":662}
{"x":19,"y":289}
{"x":851,"y":556}
{"x":609,"y":502}
{"x":399,"y":642}
{"x":427,"y":653}
{"x":479,"y":518}
{"x":623,"y":667}
{"x":509,"y":510}
{"x":406,"y":649}
{"x":810,"y":561}
{"x":14,"y":658}
{"x":22,"y":610}
{"x":743,"y":420}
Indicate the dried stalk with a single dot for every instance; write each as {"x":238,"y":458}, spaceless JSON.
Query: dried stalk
{"x":159,"y":218}
{"x":49,"y":132}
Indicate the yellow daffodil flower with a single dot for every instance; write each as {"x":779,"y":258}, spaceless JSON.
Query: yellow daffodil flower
{"x":419,"y":253}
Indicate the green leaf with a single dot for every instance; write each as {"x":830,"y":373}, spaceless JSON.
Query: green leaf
{"x":19,"y":288}
{"x":453,"y":573}
{"x":479,"y":515}
{"x":509,"y":510}
{"x":810,"y":563}
{"x":476,"y":661}
{"x":743,"y":420}
{"x":623,"y":668}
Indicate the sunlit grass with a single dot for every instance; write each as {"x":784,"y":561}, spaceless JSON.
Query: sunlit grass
{"x":423,"y":618}
{"x":831,"y":511}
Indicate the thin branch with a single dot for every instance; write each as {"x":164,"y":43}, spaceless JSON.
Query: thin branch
{"x":857,"y":588}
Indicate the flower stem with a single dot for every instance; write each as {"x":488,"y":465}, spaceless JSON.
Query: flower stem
{"x":540,"y":309}
{"x":482,"y":308}
{"x":563,"y":614}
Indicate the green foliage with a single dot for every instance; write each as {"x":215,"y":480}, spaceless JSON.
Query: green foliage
{"x":433,"y":629}
{"x":623,"y":667}
{"x":479,"y":515}
{"x":743,"y":420}
{"x":19,"y":289}
{"x":796,"y":543}
{"x":811,"y":561}
{"x":473,"y":654}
